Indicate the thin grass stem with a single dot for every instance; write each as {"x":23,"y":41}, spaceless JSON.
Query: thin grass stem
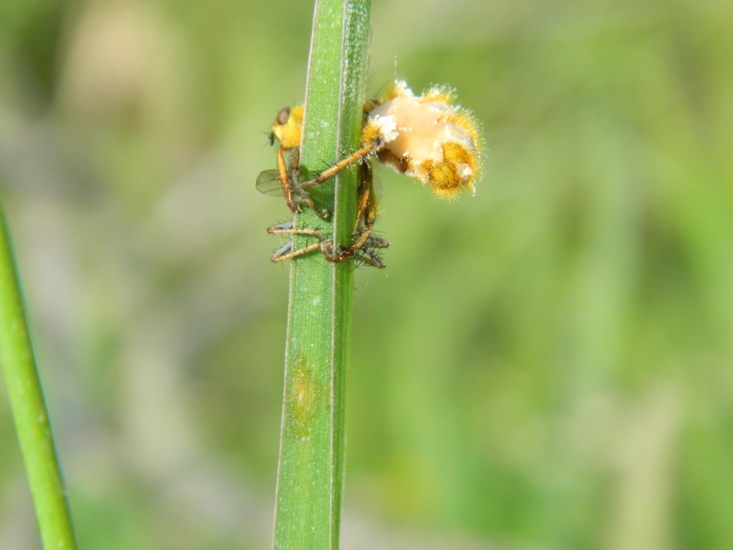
{"x":28,"y":407}
{"x":311,"y":467}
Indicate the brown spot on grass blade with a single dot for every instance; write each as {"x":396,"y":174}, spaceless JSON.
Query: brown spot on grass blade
{"x":304,"y":397}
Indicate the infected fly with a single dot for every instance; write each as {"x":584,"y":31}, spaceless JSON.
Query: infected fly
{"x":428,"y":137}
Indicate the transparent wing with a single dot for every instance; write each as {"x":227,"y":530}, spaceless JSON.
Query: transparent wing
{"x":268,"y":182}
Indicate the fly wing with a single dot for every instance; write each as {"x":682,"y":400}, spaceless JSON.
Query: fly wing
{"x":268,"y":182}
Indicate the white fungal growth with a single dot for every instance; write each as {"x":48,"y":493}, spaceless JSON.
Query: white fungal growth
{"x":387,"y":127}
{"x":417,"y":133}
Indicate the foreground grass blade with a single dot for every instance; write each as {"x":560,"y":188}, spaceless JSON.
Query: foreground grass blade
{"x":29,"y":409}
{"x":310,"y":471}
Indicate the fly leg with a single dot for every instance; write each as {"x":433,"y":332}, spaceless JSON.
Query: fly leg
{"x":362,"y":249}
{"x":370,"y":257}
{"x":286,"y":251}
{"x":364,"y":240}
{"x":285,"y":180}
{"x":288,"y":228}
{"x":297,"y":189}
{"x":356,"y":156}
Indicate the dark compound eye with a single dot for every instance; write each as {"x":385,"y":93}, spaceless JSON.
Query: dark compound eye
{"x":283,"y":116}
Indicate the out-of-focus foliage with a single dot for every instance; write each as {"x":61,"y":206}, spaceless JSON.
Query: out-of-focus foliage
{"x":546,"y":365}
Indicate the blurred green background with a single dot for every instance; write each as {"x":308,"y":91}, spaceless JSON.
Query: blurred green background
{"x":547,"y":365}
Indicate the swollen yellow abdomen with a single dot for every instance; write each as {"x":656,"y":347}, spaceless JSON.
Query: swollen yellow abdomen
{"x":427,"y":137}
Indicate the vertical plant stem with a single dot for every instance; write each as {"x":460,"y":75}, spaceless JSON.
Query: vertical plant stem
{"x":29,"y":409}
{"x":310,"y":471}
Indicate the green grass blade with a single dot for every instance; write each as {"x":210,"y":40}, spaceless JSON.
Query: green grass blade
{"x":310,"y":472}
{"x":29,"y":409}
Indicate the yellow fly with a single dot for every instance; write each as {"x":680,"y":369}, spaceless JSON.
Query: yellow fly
{"x":427,"y":137}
